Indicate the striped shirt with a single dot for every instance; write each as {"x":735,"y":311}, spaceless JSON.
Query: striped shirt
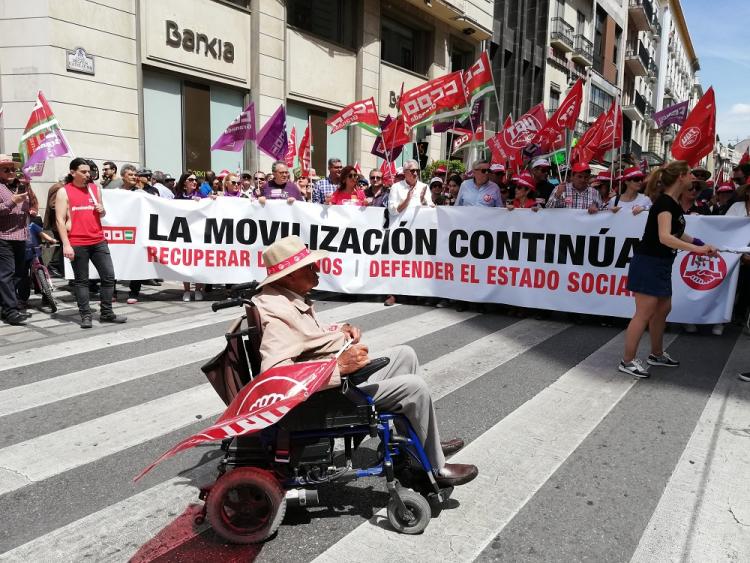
{"x":322,"y":189}
{"x":14,"y":219}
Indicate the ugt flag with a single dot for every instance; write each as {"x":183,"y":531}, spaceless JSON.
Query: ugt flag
{"x":698,"y":134}
{"x":508,"y":143}
{"x":272,"y":138}
{"x":261,"y":403}
{"x":42,"y":139}
{"x":292,"y":151}
{"x":305,"y":151}
{"x":240,"y":130}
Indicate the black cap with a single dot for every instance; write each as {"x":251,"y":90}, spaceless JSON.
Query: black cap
{"x":143,"y":172}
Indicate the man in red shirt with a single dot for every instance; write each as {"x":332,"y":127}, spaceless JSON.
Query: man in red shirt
{"x":78,"y":210}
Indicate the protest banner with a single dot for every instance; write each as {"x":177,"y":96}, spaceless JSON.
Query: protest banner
{"x":556,"y":259}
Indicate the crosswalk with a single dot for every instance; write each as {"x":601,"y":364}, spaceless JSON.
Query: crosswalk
{"x":534,"y":399}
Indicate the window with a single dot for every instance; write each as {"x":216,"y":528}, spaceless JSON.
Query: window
{"x":599,"y":102}
{"x":581,"y":24}
{"x":462,"y":55}
{"x":554,"y":100}
{"x":333,"y":20}
{"x":618,"y":39}
{"x":599,"y":27}
{"x":404,"y":46}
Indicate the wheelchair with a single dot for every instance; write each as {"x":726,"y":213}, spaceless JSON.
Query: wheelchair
{"x":262,"y":474}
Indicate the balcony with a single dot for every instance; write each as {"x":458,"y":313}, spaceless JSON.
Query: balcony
{"x":656,"y":29}
{"x":631,"y":146}
{"x":652,"y":70}
{"x":561,"y":35}
{"x":636,"y":58}
{"x":641,"y":12}
{"x":634,"y":106}
{"x":583,"y":52}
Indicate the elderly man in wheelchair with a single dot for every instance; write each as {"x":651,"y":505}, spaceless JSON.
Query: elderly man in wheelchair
{"x":363,"y":398}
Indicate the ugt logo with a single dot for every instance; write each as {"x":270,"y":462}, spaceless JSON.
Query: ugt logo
{"x":690,"y":138}
{"x":703,"y":272}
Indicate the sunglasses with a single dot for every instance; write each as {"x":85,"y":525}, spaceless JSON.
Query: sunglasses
{"x":191,"y":179}
{"x":353,"y":175}
{"x":259,"y":179}
{"x":482,"y":170}
{"x":233,"y":182}
{"x":376,"y":177}
{"x":412,"y":170}
{"x":7,"y":170}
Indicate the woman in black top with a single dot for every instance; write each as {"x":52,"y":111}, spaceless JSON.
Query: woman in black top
{"x":650,"y":274}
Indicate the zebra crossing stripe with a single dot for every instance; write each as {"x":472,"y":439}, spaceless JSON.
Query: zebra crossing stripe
{"x":141,"y":333}
{"x":136,"y":520}
{"x":42,"y":457}
{"x":704,"y":512}
{"x":515,"y":458}
{"x":46,"y":391}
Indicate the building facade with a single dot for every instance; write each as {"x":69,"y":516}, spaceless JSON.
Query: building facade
{"x":155,"y":82}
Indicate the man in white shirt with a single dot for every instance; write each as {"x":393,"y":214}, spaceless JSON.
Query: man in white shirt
{"x":409,"y":192}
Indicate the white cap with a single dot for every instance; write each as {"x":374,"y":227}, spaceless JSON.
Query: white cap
{"x":541,"y":162}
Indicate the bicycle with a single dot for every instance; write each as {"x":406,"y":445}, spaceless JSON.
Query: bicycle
{"x":42,"y":281}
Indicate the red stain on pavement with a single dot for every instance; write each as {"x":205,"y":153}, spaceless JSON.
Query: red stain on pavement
{"x":184,"y":541}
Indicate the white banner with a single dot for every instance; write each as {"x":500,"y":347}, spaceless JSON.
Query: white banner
{"x":565,"y":260}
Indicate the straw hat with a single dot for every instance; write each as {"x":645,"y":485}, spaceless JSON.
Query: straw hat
{"x":7,"y":159}
{"x":287,"y":255}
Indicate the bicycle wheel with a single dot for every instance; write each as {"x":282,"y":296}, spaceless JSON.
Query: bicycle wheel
{"x":45,"y":286}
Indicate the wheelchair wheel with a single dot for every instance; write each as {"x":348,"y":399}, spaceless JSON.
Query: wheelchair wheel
{"x":413,"y":523}
{"x":246,"y":505}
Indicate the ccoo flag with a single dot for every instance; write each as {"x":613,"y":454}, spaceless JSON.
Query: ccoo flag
{"x":698,"y":134}
{"x":42,"y":139}
{"x":363,"y":113}
{"x":272,"y":138}
{"x":240,"y":130}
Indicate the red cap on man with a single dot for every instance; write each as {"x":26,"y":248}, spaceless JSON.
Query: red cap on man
{"x":442,"y":169}
{"x":580,"y":167}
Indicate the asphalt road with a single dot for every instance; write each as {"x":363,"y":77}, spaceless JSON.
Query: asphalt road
{"x":577,"y":461}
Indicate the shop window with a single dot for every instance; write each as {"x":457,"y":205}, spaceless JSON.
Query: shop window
{"x":404,"y":46}
{"x":333,"y":20}
{"x":196,"y":99}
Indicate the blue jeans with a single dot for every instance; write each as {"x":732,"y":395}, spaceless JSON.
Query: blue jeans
{"x":99,"y":255}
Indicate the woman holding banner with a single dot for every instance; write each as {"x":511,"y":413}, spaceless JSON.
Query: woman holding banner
{"x":650,"y":274}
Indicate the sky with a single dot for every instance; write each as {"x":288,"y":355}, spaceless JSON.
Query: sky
{"x":719,"y":32}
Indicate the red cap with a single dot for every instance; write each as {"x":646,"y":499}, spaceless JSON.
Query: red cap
{"x":524,"y":179}
{"x":604,"y":176}
{"x":725,"y":187}
{"x":632,"y":173}
{"x":442,"y":169}
{"x":223,"y":173}
{"x":579,"y":167}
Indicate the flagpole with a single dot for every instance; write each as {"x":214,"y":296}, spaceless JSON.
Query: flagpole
{"x":494,"y":91}
{"x":615,"y":113}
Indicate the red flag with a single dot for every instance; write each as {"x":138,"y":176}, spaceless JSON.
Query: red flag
{"x":388,"y":170}
{"x":305,"y":151}
{"x":604,"y":135}
{"x":261,"y":403}
{"x":590,"y":133}
{"x":446,"y":93}
{"x":358,"y":168}
{"x":508,"y":143}
{"x":746,"y":156}
{"x":697,"y":136}
{"x":396,"y":134}
{"x":478,"y":78}
{"x":362,"y":112}
{"x":565,"y":117}
{"x":292,"y":150}
{"x":467,"y":139}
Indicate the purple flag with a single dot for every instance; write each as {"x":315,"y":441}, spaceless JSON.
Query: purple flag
{"x":272,"y":138}
{"x":240,"y":130}
{"x":54,"y":144}
{"x":378,"y":149}
{"x":672,"y":115}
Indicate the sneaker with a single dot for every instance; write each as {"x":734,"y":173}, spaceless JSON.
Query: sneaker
{"x":717,"y":330}
{"x":198,"y":295}
{"x":186,"y":296}
{"x":117,"y":319}
{"x":664,"y":360}
{"x":745,"y":376}
{"x":634,"y":368}
{"x":86,"y":322}
{"x":132,"y":300}
{"x":690,"y":328}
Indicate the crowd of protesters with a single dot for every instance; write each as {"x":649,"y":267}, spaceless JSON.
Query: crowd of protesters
{"x":541,"y":185}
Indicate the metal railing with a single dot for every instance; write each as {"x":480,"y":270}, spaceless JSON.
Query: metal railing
{"x":584,"y":48}
{"x":637,"y":49}
{"x":561,"y":31}
{"x":646,"y":5}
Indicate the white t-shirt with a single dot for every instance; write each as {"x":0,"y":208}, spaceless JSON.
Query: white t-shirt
{"x":398,"y":194}
{"x":640,"y":200}
{"x":738,"y":209}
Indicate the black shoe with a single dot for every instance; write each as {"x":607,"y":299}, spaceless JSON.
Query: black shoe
{"x":86,"y":322}
{"x":117,"y":319}
{"x":15,"y":318}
